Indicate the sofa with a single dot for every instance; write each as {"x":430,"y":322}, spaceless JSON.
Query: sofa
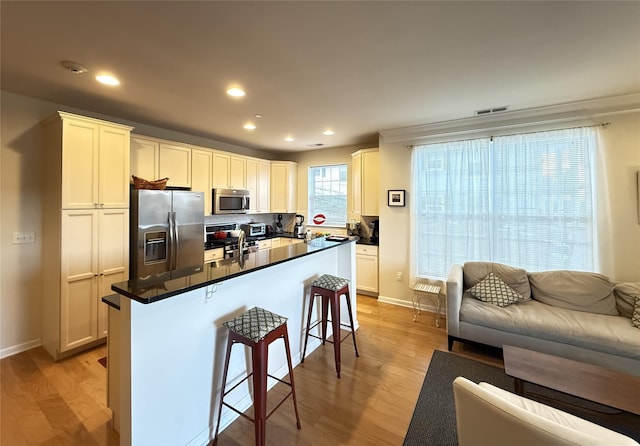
{"x":573,"y":314}
{"x":488,"y":415}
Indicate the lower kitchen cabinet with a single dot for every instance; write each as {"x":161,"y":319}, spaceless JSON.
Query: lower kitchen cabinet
{"x":367,"y":269}
{"x":93,"y":254}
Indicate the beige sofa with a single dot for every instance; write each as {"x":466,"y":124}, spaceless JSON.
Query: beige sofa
{"x":577,"y":315}
{"x":490,"y":416}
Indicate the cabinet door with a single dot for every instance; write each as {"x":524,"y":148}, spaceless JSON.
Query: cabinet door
{"x":113,"y":258}
{"x":252,"y":185}
{"x":284,"y":187}
{"x":370,"y":174}
{"x":80,"y":164}
{"x":175,"y":163}
{"x":79,"y":277}
{"x":221,"y":166}
{"x":238,"y":172}
{"x":114,"y":167}
{"x":367,"y":273}
{"x":264,"y":175}
{"x":145,"y":158}
{"x":202,"y":175}
{"x":356,"y":184}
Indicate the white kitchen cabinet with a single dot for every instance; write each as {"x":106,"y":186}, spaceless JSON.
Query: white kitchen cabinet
{"x":284,"y":186}
{"x":238,"y":172}
{"x":175,"y":164}
{"x":94,"y":254}
{"x":265,"y":244}
{"x":221,"y":169}
{"x":202,"y":175}
{"x":276,"y":242}
{"x":367,"y":269}
{"x":365,"y":180}
{"x":90,"y":160}
{"x":145,"y":157}
{"x":86,"y":235}
{"x":258,"y":176}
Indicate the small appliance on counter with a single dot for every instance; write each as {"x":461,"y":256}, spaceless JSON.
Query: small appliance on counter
{"x":353,"y":228}
{"x":298,"y":228}
{"x":166,"y":234}
{"x":254,"y":229}
{"x":278,"y":225}
{"x":375,"y":231}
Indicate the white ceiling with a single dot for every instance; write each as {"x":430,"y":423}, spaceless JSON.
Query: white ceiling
{"x":355,"y":67}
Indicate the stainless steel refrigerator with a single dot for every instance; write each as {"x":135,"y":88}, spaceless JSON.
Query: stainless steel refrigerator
{"x":167,"y":234}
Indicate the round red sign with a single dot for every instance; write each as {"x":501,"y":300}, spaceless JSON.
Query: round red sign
{"x":319,"y":219}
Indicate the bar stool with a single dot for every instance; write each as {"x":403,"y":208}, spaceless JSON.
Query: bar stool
{"x":257,"y":328}
{"x":330,"y":288}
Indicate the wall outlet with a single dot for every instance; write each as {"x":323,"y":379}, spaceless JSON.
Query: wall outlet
{"x":24,"y":237}
{"x":399,"y":275}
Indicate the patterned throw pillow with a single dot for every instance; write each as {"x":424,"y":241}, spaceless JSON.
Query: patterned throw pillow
{"x":494,"y":290}
{"x":635,"y":320}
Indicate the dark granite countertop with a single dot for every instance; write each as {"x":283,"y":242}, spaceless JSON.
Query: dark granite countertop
{"x":367,"y":241}
{"x":149,"y":291}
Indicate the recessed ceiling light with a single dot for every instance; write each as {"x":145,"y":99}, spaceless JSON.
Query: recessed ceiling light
{"x":328,"y":132}
{"x":249,"y":126}
{"x":107,"y":79}
{"x":258,"y":115}
{"x":236,"y":92}
{"x":289,"y":139}
{"x":74,"y":67}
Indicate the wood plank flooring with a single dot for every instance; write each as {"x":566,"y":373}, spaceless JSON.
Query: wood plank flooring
{"x":64,"y":403}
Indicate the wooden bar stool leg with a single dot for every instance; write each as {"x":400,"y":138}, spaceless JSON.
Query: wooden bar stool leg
{"x":325,"y":311}
{"x":293,"y":387}
{"x":306,"y":337}
{"x":259,"y":358}
{"x":353,"y":330}
{"x":224,"y":384}
{"x":335,"y":325}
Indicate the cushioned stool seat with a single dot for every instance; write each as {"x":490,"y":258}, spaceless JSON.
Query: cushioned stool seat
{"x":257,"y":328}
{"x":330,"y":288}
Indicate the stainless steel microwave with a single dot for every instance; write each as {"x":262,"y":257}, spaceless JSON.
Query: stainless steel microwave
{"x":230,"y":201}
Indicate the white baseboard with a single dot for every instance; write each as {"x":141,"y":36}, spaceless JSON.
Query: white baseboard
{"x":15,"y":349}
{"x":408,"y":304}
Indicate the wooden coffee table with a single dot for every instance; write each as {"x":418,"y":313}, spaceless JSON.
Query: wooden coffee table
{"x":587,"y":381}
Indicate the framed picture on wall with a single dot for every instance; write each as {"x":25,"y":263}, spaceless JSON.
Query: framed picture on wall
{"x":395,"y":197}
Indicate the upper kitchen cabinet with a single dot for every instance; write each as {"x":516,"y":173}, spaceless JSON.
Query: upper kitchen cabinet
{"x":88,"y":161}
{"x":258,"y":184}
{"x":365,"y":172}
{"x":229,"y":171}
{"x":175,"y":164}
{"x":145,"y":157}
{"x":284,"y":186}
{"x":153,"y":159}
{"x":202,"y":175}
{"x":238,"y":172}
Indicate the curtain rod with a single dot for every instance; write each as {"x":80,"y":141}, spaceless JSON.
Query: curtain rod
{"x":603,"y":125}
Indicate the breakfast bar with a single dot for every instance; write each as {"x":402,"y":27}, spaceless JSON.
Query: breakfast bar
{"x":166,"y":342}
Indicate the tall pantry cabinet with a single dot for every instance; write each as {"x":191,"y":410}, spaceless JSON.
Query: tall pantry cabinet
{"x":86,"y":230}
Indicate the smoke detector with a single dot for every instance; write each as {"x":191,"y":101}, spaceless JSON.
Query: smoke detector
{"x":74,"y":67}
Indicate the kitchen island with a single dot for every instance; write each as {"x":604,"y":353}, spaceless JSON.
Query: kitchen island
{"x":166,"y":342}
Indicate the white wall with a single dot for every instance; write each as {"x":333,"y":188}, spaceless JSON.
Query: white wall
{"x":21,"y":198}
{"x":621,"y":144}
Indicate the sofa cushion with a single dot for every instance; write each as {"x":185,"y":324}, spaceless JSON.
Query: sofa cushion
{"x":635,"y":319}
{"x":626,"y":295}
{"x":608,"y":334}
{"x":493,"y":290}
{"x":574,"y":290}
{"x":516,"y":278}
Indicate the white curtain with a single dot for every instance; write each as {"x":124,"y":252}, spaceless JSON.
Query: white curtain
{"x":526,"y":200}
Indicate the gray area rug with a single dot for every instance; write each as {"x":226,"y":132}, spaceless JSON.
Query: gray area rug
{"x":434,"y":418}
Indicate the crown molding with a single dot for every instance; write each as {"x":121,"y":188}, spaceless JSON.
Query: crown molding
{"x":580,"y":112}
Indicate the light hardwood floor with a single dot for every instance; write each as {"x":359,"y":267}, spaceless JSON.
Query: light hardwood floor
{"x":64,"y":403}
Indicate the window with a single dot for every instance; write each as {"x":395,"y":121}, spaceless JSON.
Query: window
{"x":328,"y":194}
{"x":525,"y":200}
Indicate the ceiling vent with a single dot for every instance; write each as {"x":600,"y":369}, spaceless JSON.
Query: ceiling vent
{"x":318,"y":144}
{"x":488,"y":111}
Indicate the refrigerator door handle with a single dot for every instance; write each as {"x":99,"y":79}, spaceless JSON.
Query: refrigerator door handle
{"x":176,"y":240}
{"x":172,"y":242}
